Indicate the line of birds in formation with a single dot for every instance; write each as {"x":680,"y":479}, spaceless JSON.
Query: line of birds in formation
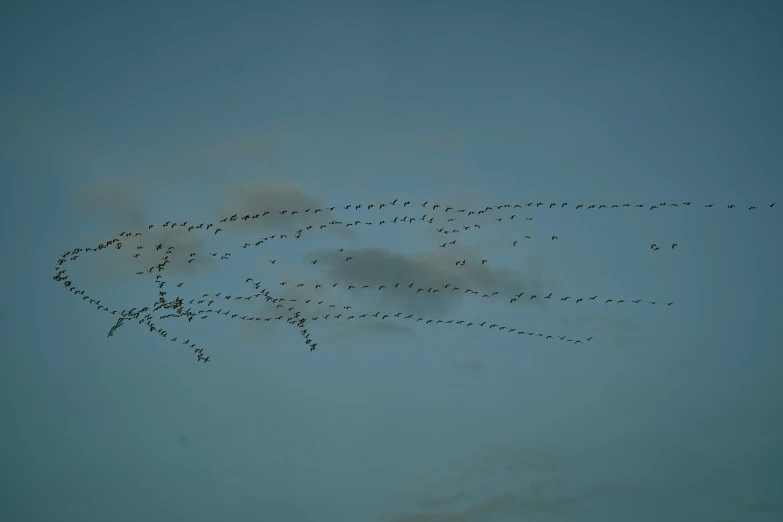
{"x":147,"y":319}
{"x":436,"y":290}
{"x":178,"y":306}
{"x":214,"y":297}
{"x":246,"y":217}
{"x":447,"y":208}
{"x":190,"y":314}
{"x":298,"y":235}
{"x":264,"y":292}
{"x":449,"y":287}
{"x":235,"y":217}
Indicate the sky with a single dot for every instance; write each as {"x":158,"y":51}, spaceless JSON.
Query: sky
{"x":120,"y":116}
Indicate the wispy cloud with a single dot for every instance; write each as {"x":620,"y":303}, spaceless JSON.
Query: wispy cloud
{"x":116,"y":205}
{"x":772,"y":508}
{"x":511,"y":458}
{"x":468,"y":367}
{"x":120,"y":265}
{"x":429,"y":271}
{"x":373,"y":328}
{"x":507,"y":504}
{"x":442,"y":141}
{"x":116,"y":199}
{"x":501,"y":460}
{"x":537,"y":487}
{"x":437,"y":502}
{"x":612,"y":330}
{"x":251,"y":197}
{"x":263,"y":147}
{"x":339,"y":329}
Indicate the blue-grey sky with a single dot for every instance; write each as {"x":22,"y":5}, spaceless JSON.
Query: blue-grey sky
{"x":116,"y":116}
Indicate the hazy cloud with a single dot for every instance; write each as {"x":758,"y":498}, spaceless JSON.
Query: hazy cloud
{"x":508,"y":504}
{"x":612,"y":330}
{"x":368,"y":328}
{"x":255,"y":197}
{"x":119,"y":265}
{"x":514,"y":458}
{"x":445,"y":172}
{"x":468,"y":367}
{"x":773,"y":508}
{"x":537,"y":487}
{"x":608,"y":489}
{"x":117,"y":206}
{"x":538,"y":462}
{"x":380,"y":266}
{"x":437,"y":502}
{"x":445,"y":141}
{"x":502,"y":459}
{"x":340,"y":329}
{"x":263,"y":147}
{"x":118,"y":200}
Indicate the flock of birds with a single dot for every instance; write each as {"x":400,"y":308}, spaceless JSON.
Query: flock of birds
{"x":208,"y":305}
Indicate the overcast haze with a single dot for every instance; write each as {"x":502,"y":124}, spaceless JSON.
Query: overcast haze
{"x":119,"y":116}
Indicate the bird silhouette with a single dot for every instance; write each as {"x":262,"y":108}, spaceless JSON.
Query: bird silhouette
{"x":177,"y":307}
